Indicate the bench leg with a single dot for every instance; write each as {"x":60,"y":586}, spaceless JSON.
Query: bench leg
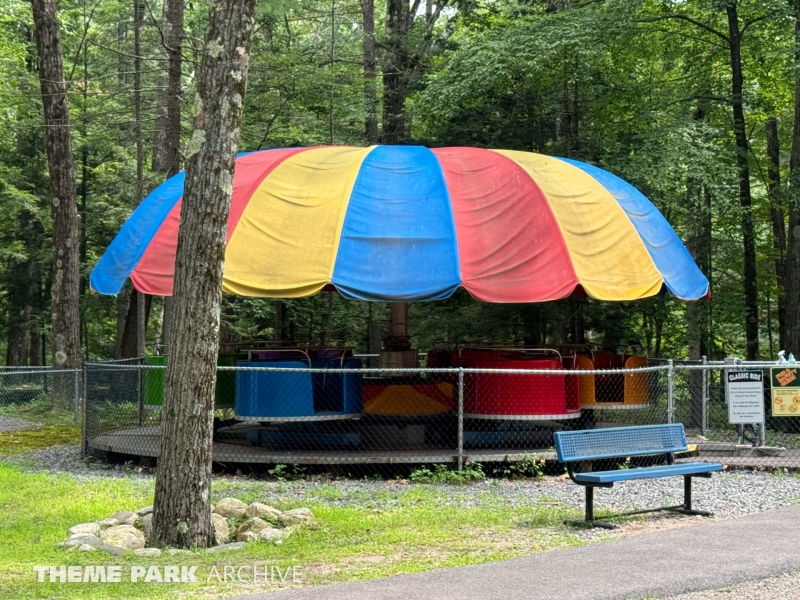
{"x":687,"y":499}
{"x":589,"y":514}
{"x":687,"y":492}
{"x":589,"y":504}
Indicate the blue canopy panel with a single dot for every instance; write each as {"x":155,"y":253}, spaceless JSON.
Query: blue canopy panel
{"x":398,"y":239}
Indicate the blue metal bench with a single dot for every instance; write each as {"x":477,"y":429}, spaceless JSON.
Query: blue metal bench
{"x":574,"y":447}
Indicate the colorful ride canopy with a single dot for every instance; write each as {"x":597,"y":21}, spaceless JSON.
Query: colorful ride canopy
{"x":410,"y":223}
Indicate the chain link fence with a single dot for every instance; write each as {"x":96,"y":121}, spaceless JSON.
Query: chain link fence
{"x":339,"y":414}
{"x":32,"y":398}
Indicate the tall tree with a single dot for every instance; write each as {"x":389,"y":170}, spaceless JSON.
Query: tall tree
{"x":169,"y":154}
{"x":166,"y":150}
{"x":749,"y":277}
{"x":182,"y":515}
{"x":402,"y":58}
{"x":370,"y":72}
{"x":395,"y":67}
{"x":793,"y":244}
{"x":65,"y":289}
{"x":778,"y":219}
{"x":733,"y":41}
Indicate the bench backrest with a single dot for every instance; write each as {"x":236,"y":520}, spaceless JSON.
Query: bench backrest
{"x":594,"y":444}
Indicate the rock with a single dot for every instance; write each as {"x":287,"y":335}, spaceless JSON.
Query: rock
{"x":110,"y":522}
{"x":123,"y":536}
{"x":226,"y":547}
{"x":125,"y":517}
{"x":144,"y":511}
{"x":115,"y":550}
{"x":256,"y":509}
{"x":147,"y":552}
{"x":295,"y":516}
{"x":222,"y":532}
{"x":174,"y":551}
{"x":84,"y":538}
{"x":93,"y":528}
{"x":255,"y":525}
{"x":247,"y":536}
{"x":86,"y":548}
{"x":69,"y":545}
{"x":147,"y":525}
{"x":231,"y":508}
{"x":271,"y":535}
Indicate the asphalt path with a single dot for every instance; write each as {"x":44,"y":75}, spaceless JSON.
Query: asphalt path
{"x":710,"y":555}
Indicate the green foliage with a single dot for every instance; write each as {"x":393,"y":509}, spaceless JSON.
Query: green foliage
{"x":527,"y":466}
{"x":634,"y":87}
{"x":444,"y":474}
{"x":287,"y":472}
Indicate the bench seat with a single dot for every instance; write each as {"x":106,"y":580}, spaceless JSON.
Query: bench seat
{"x":647,"y":472}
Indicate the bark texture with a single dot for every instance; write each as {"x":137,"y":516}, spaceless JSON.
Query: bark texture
{"x":182,"y":515}
{"x":793,"y":243}
{"x":777,"y":217}
{"x":750,"y":280}
{"x":370,"y":72}
{"x":395,"y":70}
{"x":168,"y":154}
{"x":65,"y":337}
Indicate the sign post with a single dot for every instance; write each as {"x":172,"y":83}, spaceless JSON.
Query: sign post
{"x":745,"y":396}
{"x":785,"y":391}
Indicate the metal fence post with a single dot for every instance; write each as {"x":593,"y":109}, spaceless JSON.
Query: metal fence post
{"x":460,"y":418}
{"x":85,"y":425}
{"x":76,"y":400}
{"x":670,"y":392}
{"x":704,"y":418}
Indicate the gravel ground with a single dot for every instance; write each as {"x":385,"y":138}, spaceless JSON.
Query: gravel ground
{"x":9,"y":424}
{"x":727,"y":494}
{"x":781,"y":587}
{"x":68,"y":459}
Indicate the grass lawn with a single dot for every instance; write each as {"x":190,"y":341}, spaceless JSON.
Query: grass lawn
{"x":418,"y":528}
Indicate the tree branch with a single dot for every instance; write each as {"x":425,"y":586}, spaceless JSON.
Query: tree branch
{"x":694,"y":22}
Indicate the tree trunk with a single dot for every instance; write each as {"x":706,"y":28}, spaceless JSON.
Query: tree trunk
{"x":169,"y":153}
{"x":329,"y":319}
{"x":793,"y":245}
{"x":131,"y":344}
{"x":699,"y":245}
{"x":18,"y":336}
{"x":182,"y":515}
{"x":778,"y":223}
{"x":122,"y":303}
{"x":21,"y":290}
{"x":394,"y":70}
{"x":166,"y":155}
{"x":141,"y":298}
{"x":65,"y":336}
{"x":750,"y":279}
{"x":280,"y":310}
{"x":370,"y":73}
{"x":36,"y":350}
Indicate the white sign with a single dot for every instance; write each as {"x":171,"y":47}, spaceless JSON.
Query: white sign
{"x":745,"y":391}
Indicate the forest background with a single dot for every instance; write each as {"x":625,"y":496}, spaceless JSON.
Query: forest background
{"x":693,"y":102}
